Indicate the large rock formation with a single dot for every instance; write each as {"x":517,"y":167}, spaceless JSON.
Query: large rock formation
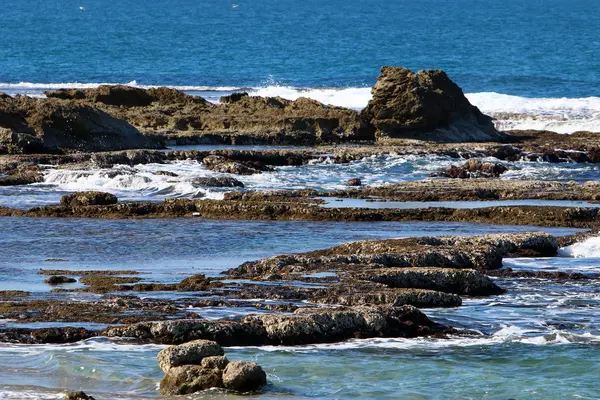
{"x":425,"y":105}
{"x":30,"y":125}
{"x":239,"y":119}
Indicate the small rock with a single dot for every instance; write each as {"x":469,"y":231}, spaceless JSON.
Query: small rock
{"x":474,"y":169}
{"x":188,"y":353}
{"x":243,"y":376}
{"x":59,"y":279}
{"x":354,"y":182}
{"x":79,"y":199}
{"x":78,"y":396}
{"x":215,"y":362}
{"x":222,"y":181}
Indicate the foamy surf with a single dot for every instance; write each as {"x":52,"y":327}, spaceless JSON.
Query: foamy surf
{"x":589,"y":248}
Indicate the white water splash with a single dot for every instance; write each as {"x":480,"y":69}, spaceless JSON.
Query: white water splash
{"x":589,"y":248}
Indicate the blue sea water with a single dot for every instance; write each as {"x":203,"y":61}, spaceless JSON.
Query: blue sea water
{"x":532,"y":48}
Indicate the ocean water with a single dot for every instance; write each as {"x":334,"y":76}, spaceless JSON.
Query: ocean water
{"x":534,"y":58}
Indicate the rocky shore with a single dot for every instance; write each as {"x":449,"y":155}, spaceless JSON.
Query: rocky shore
{"x":363,"y":289}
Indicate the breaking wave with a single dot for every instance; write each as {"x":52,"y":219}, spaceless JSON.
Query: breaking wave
{"x":589,"y":248}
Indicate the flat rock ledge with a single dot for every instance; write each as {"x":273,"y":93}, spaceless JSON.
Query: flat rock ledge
{"x":199,"y":365}
{"x":459,"y":252}
{"x":304,"y":326}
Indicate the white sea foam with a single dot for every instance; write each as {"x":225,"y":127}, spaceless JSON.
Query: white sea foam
{"x":508,"y":334}
{"x":589,"y":248}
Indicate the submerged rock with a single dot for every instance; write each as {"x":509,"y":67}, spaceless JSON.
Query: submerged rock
{"x":59,"y":279}
{"x":189,"y":353}
{"x":425,"y":105}
{"x":242,"y":376}
{"x":80,"y":199}
{"x":354,"y":182}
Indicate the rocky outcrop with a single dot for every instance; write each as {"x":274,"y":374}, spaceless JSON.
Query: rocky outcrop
{"x":305,"y":326}
{"x":51,"y":125}
{"x":82,"y":199}
{"x":474,"y":169}
{"x":354,"y":182}
{"x":200,"y":365}
{"x":425,"y":105}
{"x":239,"y":119}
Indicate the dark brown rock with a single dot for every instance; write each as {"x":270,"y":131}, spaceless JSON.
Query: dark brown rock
{"x":426,"y":105}
{"x":58,"y":280}
{"x":221,"y":181}
{"x":354,"y":182}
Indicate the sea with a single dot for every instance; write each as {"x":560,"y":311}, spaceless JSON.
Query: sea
{"x":531,"y":64}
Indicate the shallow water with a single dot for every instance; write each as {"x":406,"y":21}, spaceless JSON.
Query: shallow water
{"x":547,"y":323}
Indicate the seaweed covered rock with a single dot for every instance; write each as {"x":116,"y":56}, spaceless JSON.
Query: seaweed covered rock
{"x":425,"y":105}
{"x":91,"y":198}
